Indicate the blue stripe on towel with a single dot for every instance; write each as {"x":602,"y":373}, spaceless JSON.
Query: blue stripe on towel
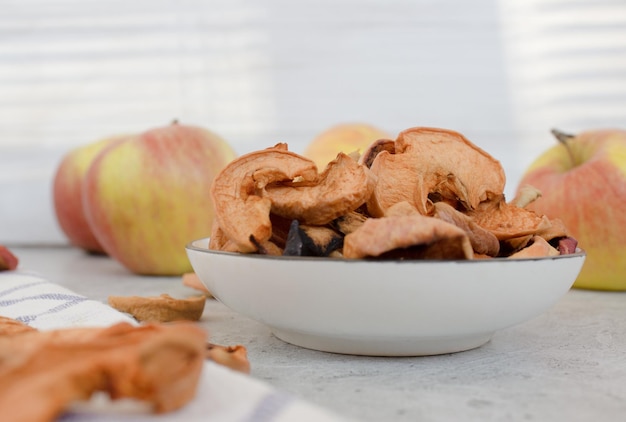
{"x":26,"y":319}
{"x":43,"y":296}
{"x":67,"y":301}
{"x":269,"y":407}
{"x":22,"y":286}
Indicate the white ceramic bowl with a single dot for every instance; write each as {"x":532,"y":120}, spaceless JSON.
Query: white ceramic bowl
{"x":384,"y":308}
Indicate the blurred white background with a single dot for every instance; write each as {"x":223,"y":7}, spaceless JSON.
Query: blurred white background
{"x":502,"y":73}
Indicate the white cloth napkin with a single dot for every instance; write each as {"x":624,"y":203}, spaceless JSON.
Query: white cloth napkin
{"x":37,"y":302}
{"x":223,"y":394}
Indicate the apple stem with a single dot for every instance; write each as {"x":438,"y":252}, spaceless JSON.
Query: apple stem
{"x":564,"y":138}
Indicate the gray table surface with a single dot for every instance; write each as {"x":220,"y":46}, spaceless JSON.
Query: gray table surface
{"x":568,"y":364}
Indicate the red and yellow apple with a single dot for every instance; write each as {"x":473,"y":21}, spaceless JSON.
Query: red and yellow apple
{"x":67,"y":194}
{"x":147,"y":196}
{"x":582,"y":180}
{"x":344,"y":137}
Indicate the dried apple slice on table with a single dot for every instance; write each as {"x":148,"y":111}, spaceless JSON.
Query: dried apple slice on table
{"x":163,"y":308}
{"x":43,"y":372}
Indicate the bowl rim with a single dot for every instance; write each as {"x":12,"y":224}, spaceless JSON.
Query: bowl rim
{"x":580,"y":253}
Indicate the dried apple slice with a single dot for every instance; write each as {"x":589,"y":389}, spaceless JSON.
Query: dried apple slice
{"x":408,"y":237}
{"x":219,"y":241}
{"x":430,"y":161}
{"x":342,"y":187}
{"x":43,"y":372}
{"x":483,"y":241}
{"x":567,"y":245}
{"x":306,"y":240}
{"x":192,"y":280}
{"x":10,"y":326}
{"x":348,"y":222}
{"x":8,"y":261}
{"x":506,"y":220}
{"x":525,"y":196}
{"x":556,"y":230}
{"x":368,"y":156}
{"x":233,"y":357}
{"x":401,"y":208}
{"x":162,"y":308}
{"x":538,"y":247}
{"x":242,"y":209}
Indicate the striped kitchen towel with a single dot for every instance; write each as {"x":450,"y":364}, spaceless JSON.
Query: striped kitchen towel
{"x":35,"y":301}
{"x":222,"y":395}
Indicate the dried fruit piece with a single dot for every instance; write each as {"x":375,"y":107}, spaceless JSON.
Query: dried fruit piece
{"x":368,"y":156}
{"x":483,"y":241}
{"x":8,"y":261}
{"x":526,"y":195}
{"x":267,"y":247}
{"x":538,"y":247}
{"x":348,"y":222}
{"x":514,"y":244}
{"x":401,"y":208}
{"x":342,"y":187}
{"x":280,"y":229}
{"x":10,"y":326}
{"x":507,"y":221}
{"x":242,"y":208}
{"x":430,"y":161}
{"x":311,"y":240}
{"x":219,"y":241}
{"x":193,"y":281}
{"x":233,"y":357}
{"x":567,"y":245}
{"x":43,"y":372}
{"x":163,"y":308}
{"x":409,"y":237}
{"x":556,"y":230}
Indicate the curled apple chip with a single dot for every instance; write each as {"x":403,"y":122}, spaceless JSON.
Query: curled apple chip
{"x":506,"y":220}
{"x":430,"y":162}
{"x":163,"y":308}
{"x":242,"y":207}
{"x":368,"y":156}
{"x":483,"y":241}
{"x":342,"y":187}
{"x":219,"y":241}
{"x":408,"y":237}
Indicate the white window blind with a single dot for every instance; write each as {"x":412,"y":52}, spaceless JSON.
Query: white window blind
{"x":74,"y":71}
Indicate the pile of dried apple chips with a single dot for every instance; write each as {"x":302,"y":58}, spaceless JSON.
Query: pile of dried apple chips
{"x":430,"y":194}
